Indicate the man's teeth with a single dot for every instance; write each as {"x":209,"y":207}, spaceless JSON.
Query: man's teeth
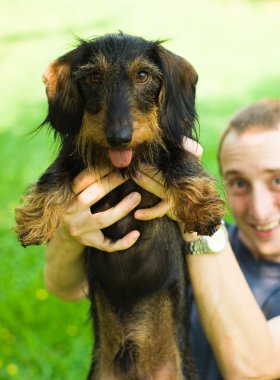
{"x":268,"y":226}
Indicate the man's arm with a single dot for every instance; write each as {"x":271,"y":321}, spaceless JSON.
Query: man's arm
{"x":245,"y":345}
{"x":64,"y":267}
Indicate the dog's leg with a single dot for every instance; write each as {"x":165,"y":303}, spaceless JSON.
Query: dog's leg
{"x":197,"y":203}
{"x":43,"y":205}
{"x":193,"y":194}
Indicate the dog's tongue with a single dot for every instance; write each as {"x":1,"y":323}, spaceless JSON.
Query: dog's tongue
{"x":120,"y":158}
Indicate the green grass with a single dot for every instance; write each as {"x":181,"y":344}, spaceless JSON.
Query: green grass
{"x":234,"y":45}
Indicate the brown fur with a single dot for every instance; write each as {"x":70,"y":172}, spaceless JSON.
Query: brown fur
{"x":187,"y":206}
{"x":143,"y":327}
{"x":40,"y":214}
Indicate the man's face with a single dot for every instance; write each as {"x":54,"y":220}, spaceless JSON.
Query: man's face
{"x":250,"y":164}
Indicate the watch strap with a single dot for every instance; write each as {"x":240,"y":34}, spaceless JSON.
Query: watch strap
{"x":208,"y":244}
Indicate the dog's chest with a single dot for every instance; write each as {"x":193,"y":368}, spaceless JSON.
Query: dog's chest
{"x":150,"y":266}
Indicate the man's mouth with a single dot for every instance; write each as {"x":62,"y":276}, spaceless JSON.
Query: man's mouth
{"x":120,"y":158}
{"x":267,"y":227}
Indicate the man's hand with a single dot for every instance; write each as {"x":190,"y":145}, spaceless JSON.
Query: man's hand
{"x":151,"y":180}
{"x":84,"y":227}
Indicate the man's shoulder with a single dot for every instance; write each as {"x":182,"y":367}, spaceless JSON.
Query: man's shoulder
{"x":263,"y":276}
{"x":233,"y":233}
{"x":271,"y":307}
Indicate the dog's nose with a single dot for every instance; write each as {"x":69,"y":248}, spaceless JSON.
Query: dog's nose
{"x":120,"y":139}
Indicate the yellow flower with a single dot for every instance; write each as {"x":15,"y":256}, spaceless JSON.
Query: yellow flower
{"x":12,"y":369}
{"x":42,"y":294}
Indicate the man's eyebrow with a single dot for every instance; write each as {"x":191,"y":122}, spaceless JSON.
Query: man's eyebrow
{"x":273,"y":171}
{"x":237,"y":172}
{"x":232,"y":172}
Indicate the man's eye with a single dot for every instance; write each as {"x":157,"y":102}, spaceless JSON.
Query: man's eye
{"x":276,"y":182}
{"x":237,"y":186}
{"x":238,"y":183}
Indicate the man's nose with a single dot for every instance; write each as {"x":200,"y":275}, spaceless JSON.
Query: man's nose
{"x":261,"y":204}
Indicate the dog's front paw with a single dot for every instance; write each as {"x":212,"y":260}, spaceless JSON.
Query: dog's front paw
{"x":198,"y":205}
{"x":39,"y":216}
{"x":33,"y":227}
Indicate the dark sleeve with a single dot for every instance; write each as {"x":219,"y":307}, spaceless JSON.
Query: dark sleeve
{"x":271,"y":308}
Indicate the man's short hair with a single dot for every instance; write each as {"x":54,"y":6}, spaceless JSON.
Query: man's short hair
{"x":263,"y":114}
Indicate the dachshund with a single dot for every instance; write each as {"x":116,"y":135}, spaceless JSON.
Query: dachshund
{"x":120,"y":101}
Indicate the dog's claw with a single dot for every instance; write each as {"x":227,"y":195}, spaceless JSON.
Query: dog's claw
{"x":213,"y":229}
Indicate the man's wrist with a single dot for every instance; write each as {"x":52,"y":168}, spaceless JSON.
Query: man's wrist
{"x":191,"y":236}
{"x":197,"y":245}
{"x":64,"y":243}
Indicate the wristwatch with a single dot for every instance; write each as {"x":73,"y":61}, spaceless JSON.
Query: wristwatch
{"x":208,"y":244}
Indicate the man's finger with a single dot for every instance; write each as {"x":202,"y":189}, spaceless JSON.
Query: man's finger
{"x":154,"y":212}
{"x":151,"y":185}
{"x":88,"y":177}
{"x":107,"y":218}
{"x":108,"y":246}
{"x":94,"y":192}
{"x":193,"y":147}
{"x":126,"y":242}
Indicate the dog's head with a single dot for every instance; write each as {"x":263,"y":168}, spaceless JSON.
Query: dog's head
{"x":121,"y":93}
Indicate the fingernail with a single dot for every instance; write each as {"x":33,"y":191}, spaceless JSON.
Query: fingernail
{"x":135,"y":197}
{"x":135,"y":235}
{"x":132,"y":238}
{"x":138,"y":214}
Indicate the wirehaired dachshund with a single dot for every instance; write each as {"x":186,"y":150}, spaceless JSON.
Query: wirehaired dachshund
{"x":118,"y":101}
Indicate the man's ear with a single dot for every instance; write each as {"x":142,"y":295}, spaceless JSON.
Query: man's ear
{"x":177,"y":96}
{"x":65,"y":101}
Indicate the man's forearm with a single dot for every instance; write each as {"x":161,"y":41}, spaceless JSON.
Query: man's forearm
{"x":232,"y":320}
{"x":64,"y":268}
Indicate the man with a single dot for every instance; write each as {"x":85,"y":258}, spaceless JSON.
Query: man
{"x":249,"y":158}
{"x":240,"y":315}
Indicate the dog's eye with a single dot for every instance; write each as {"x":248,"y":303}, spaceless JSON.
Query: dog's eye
{"x":142,"y":76}
{"x":95,"y":77}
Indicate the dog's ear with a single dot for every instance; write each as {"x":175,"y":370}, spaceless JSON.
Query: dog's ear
{"x":177,"y":96}
{"x":65,"y":101}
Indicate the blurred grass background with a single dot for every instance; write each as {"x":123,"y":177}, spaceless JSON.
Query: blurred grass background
{"x":234,"y":46}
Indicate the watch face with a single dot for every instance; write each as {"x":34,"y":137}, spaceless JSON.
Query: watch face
{"x":217,"y":242}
